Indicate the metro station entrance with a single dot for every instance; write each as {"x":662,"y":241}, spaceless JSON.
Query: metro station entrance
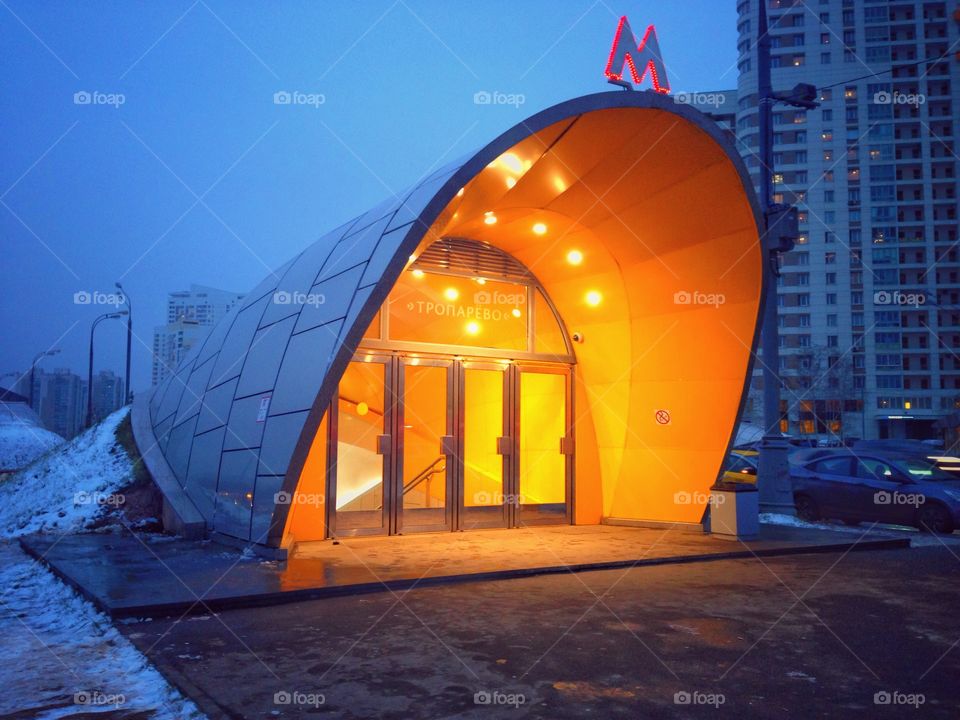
{"x":473,"y":433}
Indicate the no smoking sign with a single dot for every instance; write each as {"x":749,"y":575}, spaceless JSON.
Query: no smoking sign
{"x":662,"y":417}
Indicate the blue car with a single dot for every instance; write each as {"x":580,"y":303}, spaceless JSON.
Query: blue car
{"x":868,"y":487}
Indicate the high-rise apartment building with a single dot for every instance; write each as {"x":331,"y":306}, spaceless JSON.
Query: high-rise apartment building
{"x":869,"y":300}
{"x":108,"y":394}
{"x":190,"y":315}
{"x":60,"y":399}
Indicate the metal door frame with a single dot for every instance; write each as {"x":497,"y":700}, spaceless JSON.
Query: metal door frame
{"x":448,"y":442}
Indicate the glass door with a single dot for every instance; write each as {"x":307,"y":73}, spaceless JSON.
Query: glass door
{"x":358,"y":476}
{"x":545,"y":445}
{"x":426,"y":448}
{"x":485,"y":445}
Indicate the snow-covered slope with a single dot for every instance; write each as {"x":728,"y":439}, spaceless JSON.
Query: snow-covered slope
{"x":65,"y":489}
{"x":22,"y":438}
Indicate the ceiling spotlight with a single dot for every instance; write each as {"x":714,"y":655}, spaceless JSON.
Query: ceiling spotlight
{"x":574,"y":257}
{"x":539,"y":228}
{"x":593,"y":298}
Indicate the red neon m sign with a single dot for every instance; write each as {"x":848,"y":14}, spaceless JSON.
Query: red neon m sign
{"x":641,"y":59}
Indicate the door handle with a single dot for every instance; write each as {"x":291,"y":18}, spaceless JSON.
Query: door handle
{"x":448,"y":445}
{"x":383,"y":444}
{"x":505,"y":445}
{"x":566,"y":445}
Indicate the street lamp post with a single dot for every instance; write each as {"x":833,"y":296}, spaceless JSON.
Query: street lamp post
{"x":33,"y":367}
{"x":780,"y":230}
{"x":105,"y":316}
{"x":126,"y":299}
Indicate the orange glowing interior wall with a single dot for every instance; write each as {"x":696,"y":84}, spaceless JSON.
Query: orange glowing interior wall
{"x":639,"y":227}
{"x":307,"y":516}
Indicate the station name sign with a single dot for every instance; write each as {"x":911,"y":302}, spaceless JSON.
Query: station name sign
{"x":642,"y":59}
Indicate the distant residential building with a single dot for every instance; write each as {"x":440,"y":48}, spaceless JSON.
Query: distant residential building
{"x":868,"y":300}
{"x":60,"y":399}
{"x":108,"y":395}
{"x":190,"y":315}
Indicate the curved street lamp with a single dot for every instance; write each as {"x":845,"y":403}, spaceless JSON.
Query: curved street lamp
{"x":105,"y":316}
{"x":33,"y":367}
{"x":126,"y":383}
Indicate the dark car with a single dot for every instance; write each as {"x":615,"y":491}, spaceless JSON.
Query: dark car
{"x":866,"y":487}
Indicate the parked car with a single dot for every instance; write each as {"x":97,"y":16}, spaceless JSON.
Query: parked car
{"x":870,"y":487}
{"x":918,"y":448}
{"x":741,"y":466}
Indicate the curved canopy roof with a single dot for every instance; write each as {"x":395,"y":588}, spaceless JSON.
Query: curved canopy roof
{"x":236,"y":421}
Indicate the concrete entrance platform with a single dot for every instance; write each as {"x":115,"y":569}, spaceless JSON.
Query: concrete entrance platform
{"x":134,"y":576}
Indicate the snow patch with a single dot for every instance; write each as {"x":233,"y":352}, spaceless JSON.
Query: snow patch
{"x":60,"y":657}
{"x":66,"y":489}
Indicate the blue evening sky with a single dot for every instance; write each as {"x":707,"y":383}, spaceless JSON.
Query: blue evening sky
{"x":198,"y":177}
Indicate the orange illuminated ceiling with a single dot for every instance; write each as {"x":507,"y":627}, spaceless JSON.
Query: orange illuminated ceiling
{"x":639,"y":226}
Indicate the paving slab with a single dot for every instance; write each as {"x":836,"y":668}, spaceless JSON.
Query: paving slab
{"x":132,"y":575}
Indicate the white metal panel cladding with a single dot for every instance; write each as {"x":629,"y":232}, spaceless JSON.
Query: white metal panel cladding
{"x":272,"y":351}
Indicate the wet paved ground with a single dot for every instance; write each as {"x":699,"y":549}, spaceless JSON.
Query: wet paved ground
{"x":786,"y":637}
{"x":132,"y":575}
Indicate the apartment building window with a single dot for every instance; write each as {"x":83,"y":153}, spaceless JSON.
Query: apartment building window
{"x":831,"y":298}
{"x":803,"y":300}
{"x":825,"y":58}
{"x":831,"y":320}
{"x":831,"y":278}
{"x":833,"y":341}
